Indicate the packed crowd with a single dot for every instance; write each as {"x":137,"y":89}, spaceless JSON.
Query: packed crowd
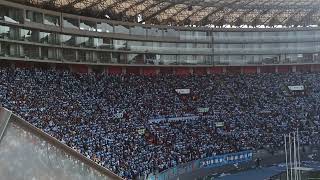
{"x":107,"y":118}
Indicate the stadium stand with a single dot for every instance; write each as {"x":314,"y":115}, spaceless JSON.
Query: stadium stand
{"x":135,"y":125}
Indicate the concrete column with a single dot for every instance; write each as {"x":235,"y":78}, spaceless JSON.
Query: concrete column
{"x":77,"y":56}
{"x":224,"y":69}
{"x":89,"y":69}
{"x":294,"y":69}
{"x":40,"y":54}
{"x":191,"y":70}
{"x":158,"y":71}
{"x":106,"y":70}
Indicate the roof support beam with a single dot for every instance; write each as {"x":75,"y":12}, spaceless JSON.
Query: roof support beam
{"x":157,"y":12}
{"x":220,"y":8}
{"x":133,"y":5}
{"x":232,"y":11}
{"x":192,"y":14}
{"x":173,"y":15}
{"x":149,"y":7}
{"x":71,"y":4}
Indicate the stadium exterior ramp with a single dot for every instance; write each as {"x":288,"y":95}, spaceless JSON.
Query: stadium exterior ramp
{"x":28,"y":153}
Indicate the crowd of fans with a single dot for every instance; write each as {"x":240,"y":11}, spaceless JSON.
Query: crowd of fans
{"x":108,"y":117}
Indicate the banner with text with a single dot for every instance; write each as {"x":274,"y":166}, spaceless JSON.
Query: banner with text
{"x":296,"y":88}
{"x":183,"y":91}
{"x":210,"y":162}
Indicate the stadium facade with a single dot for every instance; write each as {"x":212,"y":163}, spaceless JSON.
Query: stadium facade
{"x":39,"y":35}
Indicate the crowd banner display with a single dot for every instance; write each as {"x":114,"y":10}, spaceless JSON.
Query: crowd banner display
{"x":118,"y":115}
{"x":210,"y":162}
{"x":187,"y":118}
{"x":203,"y":110}
{"x":141,"y":131}
{"x":232,"y":158}
{"x":296,"y":88}
{"x":183,"y":91}
{"x":219,"y":124}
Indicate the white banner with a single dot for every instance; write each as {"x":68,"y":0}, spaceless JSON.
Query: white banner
{"x":141,"y":131}
{"x":219,"y":124}
{"x":118,"y":115}
{"x":174,"y":119}
{"x":183,"y":91}
{"x":203,"y":110}
{"x":296,"y":88}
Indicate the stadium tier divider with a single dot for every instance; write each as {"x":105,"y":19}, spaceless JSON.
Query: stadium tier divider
{"x":5,"y":115}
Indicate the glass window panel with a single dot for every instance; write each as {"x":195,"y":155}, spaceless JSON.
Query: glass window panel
{"x":97,"y":42}
{"x":171,"y":33}
{"x":185,"y":59}
{"x":49,"y":38}
{"x":201,"y":59}
{"x":120,"y":58}
{"x":199,"y":45}
{"x":168,"y":45}
{"x":154,"y":32}
{"x":33,"y":16}
{"x":83,"y":41}
{"x":186,"y":35}
{"x":135,"y":43}
{"x":4,"y":32}
{"x":29,"y":35}
{"x":168,"y":60}
{"x":121,"y":29}
{"x":68,"y":40}
{"x":69,"y":54}
{"x":16,"y":50}
{"x":138,"y":30}
{"x":4,"y":49}
{"x":31,"y":52}
{"x":85,"y":56}
{"x":104,"y":57}
{"x":11,"y":15}
{"x":88,"y":25}
{"x":70,"y":23}
{"x":106,"y":43}
{"x":182,"y":45}
{"x":135,"y":59}
{"x":51,"y":20}
{"x":49,"y":53}
{"x":104,"y":27}
{"x":120,"y":44}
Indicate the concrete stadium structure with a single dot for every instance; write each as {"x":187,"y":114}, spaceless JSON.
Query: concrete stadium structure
{"x":89,"y":44}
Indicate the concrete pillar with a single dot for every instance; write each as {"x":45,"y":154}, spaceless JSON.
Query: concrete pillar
{"x":224,"y":69}
{"x":158,"y":71}
{"x":294,"y":69}
{"x":89,"y":69}
{"x":191,"y":70}
{"x":106,"y":70}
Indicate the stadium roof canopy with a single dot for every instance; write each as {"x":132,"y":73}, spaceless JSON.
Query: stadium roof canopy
{"x":193,"y":12}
